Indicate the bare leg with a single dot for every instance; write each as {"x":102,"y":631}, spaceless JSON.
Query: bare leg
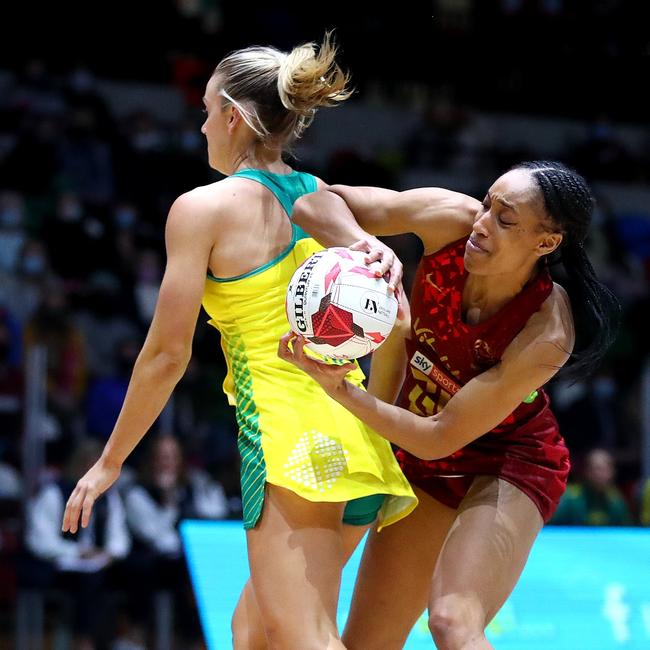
{"x":395,"y":577}
{"x":247,"y":625}
{"x":480,"y":563}
{"x":296,"y":557}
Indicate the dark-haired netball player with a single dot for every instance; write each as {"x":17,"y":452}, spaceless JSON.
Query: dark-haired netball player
{"x":476,"y":436}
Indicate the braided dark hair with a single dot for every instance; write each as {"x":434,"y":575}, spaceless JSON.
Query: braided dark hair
{"x":596,"y":311}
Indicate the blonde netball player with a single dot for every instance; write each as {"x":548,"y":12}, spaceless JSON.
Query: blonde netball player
{"x":308,"y":466}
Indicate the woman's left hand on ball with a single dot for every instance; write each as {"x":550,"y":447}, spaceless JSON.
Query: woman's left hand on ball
{"x":329,"y":376}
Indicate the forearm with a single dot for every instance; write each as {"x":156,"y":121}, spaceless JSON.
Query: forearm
{"x":412,"y":432}
{"x":387,"y":368}
{"x":153,"y":380}
{"x":327,"y":218}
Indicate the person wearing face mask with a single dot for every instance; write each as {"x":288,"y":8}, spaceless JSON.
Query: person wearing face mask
{"x":165,"y":493}
{"x":21,"y":287}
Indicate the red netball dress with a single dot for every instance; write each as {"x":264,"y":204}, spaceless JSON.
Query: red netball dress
{"x":444,"y":353}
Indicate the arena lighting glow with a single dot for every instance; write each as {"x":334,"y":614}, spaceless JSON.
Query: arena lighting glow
{"x":582,"y":589}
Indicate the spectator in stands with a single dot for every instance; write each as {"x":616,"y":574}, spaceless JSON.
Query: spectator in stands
{"x":594,"y":501}
{"x":12,"y":229}
{"x":76,"y":563}
{"x":53,"y":328}
{"x":11,"y":398}
{"x":105,"y":395}
{"x":105,"y":321}
{"x":21,"y":287}
{"x":167,"y":493}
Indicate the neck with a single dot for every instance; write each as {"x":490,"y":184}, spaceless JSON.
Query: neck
{"x":485,"y":295}
{"x":262,"y":157}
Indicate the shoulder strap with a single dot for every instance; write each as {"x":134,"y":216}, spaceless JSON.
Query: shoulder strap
{"x":286,"y":189}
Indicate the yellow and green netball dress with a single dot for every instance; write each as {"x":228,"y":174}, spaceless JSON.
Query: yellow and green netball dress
{"x":291,"y":433}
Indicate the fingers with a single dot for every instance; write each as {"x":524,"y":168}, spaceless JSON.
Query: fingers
{"x":284,"y":351}
{"x":295,"y":355}
{"x":361,"y":245}
{"x":87,"y":509}
{"x":389,"y":265}
{"x":299,"y":347}
{"x":401,"y":313}
{"x":396,"y":273}
{"x":403,"y":308}
{"x":73,"y":508}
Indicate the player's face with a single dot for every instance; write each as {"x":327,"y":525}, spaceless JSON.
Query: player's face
{"x":215,"y":127}
{"x":511,"y":229}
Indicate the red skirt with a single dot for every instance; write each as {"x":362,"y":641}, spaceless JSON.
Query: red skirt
{"x":531,"y":455}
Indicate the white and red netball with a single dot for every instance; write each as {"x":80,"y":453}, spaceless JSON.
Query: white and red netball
{"x":335,"y":301}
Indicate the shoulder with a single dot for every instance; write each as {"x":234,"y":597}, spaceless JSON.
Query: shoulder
{"x":556,"y":319}
{"x":204,"y":209}
{"x":202,"y":201}
{"x":546,"y":341}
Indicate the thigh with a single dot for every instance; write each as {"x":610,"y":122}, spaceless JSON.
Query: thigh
{"x":296,"y":556}
{"x":485,"y":551}
{"x":395,"y":577}
{"x":248,"y":627}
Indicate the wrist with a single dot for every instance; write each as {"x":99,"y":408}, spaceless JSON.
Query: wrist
{"x":340,"y":391}
{"x":110,"y":460}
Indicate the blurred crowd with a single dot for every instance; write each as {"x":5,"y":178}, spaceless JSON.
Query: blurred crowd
{"x":84,"y":191}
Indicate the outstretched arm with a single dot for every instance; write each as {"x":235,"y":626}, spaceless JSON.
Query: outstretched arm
{"x":532,"y":358}
{"x":165,"y":353}
{"x":340,"y":214}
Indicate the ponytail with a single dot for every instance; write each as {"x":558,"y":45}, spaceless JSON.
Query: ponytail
{"x":596,"y":311}
{"x":277,"y":93}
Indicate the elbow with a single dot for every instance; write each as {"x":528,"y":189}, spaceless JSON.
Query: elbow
{"x":169,"y":362}
{"x":427,"y":454}
{"x":174,"y":361}
{"x":433,"y":447}
{"x":301,"y":212}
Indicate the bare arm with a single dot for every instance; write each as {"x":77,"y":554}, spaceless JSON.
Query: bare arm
{"x":532,"y":358}
{"x":340,"y":214}
{"x":388,"y":365}
{"x":166,"y":351}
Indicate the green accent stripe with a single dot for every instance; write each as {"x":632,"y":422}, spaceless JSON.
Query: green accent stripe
{"x":276,"y":183}
{"x":286,"y":188}
{"x":249,"y":440}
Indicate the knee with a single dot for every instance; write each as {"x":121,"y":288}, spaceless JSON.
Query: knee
{"x":455,"y":622}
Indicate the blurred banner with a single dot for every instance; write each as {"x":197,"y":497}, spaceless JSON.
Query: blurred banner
{"x":583,"y":588}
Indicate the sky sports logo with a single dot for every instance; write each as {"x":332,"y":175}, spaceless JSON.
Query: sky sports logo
{"x":427,"y":367}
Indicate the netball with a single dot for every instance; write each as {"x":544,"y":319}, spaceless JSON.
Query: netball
{"x":339,"y":305}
